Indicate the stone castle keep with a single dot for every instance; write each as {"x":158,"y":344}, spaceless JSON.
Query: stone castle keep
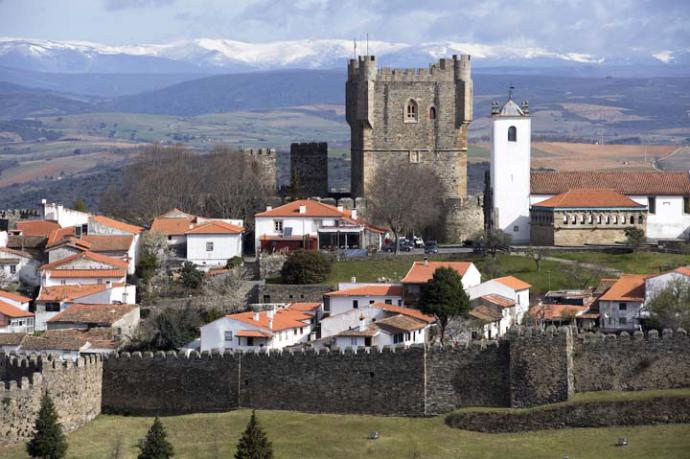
{"x":530,"y":367}
{"x":411,"y":115}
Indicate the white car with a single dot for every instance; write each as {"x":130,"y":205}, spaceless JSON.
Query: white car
{"x":418,"y":242}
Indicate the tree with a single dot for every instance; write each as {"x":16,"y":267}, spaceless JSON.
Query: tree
{"x":444,"y":296}
{"x":583,"y":276}
{"x":168,"y":330}
{"x":305,"y":267}
{"x":491,"y":240}
{"x":48,"y":440}
{"x":254,"y":443}
{"x":405,"y":197}
{"x":536,"y":255}
{"x":669,"y":307}
{"x":155,"y":445}
{"x":634,"y":236}
{"x":190,"y":276}
{"x":80,"y":205}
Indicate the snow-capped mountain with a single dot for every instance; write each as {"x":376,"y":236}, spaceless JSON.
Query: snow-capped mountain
{"x":218,"y":55}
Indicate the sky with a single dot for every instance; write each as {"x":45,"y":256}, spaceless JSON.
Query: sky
{"x":596,"y":27}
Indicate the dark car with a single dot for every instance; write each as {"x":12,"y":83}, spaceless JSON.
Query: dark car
{"x":430,"y":247}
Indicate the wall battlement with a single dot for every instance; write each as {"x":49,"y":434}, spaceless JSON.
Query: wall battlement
{"x":455,"y":68}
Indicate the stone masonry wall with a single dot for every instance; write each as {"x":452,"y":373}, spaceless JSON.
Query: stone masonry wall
{"x":622,"y":363}
{"x":309,"y":162}
{"x":283,"y":293}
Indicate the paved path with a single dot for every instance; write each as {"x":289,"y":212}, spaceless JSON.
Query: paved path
{"x":592,"y":266}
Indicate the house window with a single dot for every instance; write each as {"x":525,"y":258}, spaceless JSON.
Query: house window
{"x":516,"y":229}
{"x":414,"y":157}
{"x":170,"y":238}
{"x":407,"y":336}
{"x":209,"y":246}
{"x":411,"y":110}
{"x":512,"y":134}
{"x":294,"y":332}
{"x":63,"y":282}
{"x":622,"y":306}
{"x":432,"y":113}
{"x":353,"y":341}
{"x":398,"y":338}
{"x":623,"y":321}
{"x":355,"y":304}
{"x":278,"y":226}
{"x":52,"y":307}
{"x":250,"y":340}
{"x":686,"y":205}
{"x":13,"y":269}
{"x":372,"y":301}
{"x":652,"y":204}
{"x":640,"y":219}
{"x":389,"y":301}
{"x":228,"y":336}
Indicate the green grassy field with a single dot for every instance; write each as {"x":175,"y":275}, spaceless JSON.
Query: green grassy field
{"x":636,"y":263}
{"x":300,"y":435}
{"x":552,"y":275}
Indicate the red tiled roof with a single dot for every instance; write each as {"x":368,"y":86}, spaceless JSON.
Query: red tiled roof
{"x":12,"y":339}
{"x":253,"y":334}
{"x":421,"y":272}
{"x":304,"y":307}
{"x":513,"y":282}
{"x":172,"y":226}
{"x":370,"y":290}
{"x":14,"y":296}
{"x":556,"y":311}
{"x":685,"y":270}
{"x":69,"y":241}
{"x":109,"y":243}
{"x":93,"y":314}
{"x":58,"y":234}
{"x":312,"y":209}
{"x":628,"y":183}
{"x":87,"y":273}
{"x":89,"y":255}
{"x":18,"y":253}
{"x":485,"y":313}
{"x":630,"y":287}
{"x":414,"y":313}
{"x":588,"y":198}
{"x":215,"y":227}
{"x":12,"y":311}
{"x":41,"y":228}
{"x":399,"y":323}
{"x":71,"y":292}
{"x":283,"y":319}
{"x":355,"y":332}
{"x":499,"y":300}
{"x":117,"y":224}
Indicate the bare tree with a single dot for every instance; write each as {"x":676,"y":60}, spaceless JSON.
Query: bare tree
{"x":405,"y":197}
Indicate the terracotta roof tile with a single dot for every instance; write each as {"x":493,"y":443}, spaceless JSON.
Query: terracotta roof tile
{"x":215,"y":227}
{"x":87,"y":273}
{"x":14,"y":296}
{"x":630,"y":287}
{"x":12,"y":339}
{"x":71,"y":292}
{"x":556,"y":311}
{"x":370,"y":290}
{"x":312,"y":209}
{"x":356,"y":332}
{"x":58,"y":234}
{"x":109,"y":243}
{"x":485,"y":313}
{"x":283,"y":319}
{"x":685,"y":270}
{"x":499,"y":300}
{"x":93,"y":314}
{"x":253,"y":334}
{"x":588,"y":198}
{"x":399,"y":323}
{"x":41,"y":228}
{"x":67,"y":340}
{"x":304,"y":307}
{"x":18,"y":253}
{"x":172,"y":226}
{"x":421,"y":272}
{"x":414,"y":313}
{"x":8,"y":310}
{"x":628,"y":183}
{"x":114,"y":262}
{"x":513,"y":282}
{"x":117,"y":224}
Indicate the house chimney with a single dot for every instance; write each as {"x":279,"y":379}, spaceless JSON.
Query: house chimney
{"x":271,"y":312}
{"x":270,"y":323}
{"x":255,"y":316}
{"x":302,"y":209}
{"x":362,"y":324}
{"x":354,"y":214}
{"x":341,"y":209}
{"x":108,"y":284}
{"x":353,"y":279}
{"x":269,"y":208}
{"x":426,"y":261}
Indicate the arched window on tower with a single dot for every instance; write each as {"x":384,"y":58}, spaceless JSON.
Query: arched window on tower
{"x":512,"y":134}
{"x":432,"y":113}
{"x":411,"y":111}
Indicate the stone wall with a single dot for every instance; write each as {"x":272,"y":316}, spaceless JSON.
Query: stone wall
{"x":623,"y":363}
{"x":285,"y":293}
{"x":266,"y":160}
{"x":309,"y":165}
{"x":75,"y":388}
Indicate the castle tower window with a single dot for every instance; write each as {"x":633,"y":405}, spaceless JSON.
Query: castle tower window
{"x":512,"y":134}
{"x":414,"y":157}
{"x":411,"y":111}
{"x":589,"y":218}
{"x":640,"y":219}
{"x":432,"y":113}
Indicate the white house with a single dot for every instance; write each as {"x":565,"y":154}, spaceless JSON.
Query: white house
{"x":422,"y":272}
{"x":360,"y":295}
{"x":509,"y":294}
{"x":272,"y":329}
{"x":84,"y":268}
{"x":64,"y":217}
{"x":666,"y":194}
{"x":15,"y":316}
{"x":100,"y":226}
{"x":18,"y":266}
{"x":54,"y":299}
{"x":620,"y":307}
{"x":213,"y":243}
{"x":312,"y":225}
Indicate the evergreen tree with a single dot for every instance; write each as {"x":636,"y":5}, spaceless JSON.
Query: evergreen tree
{"x":48,"y":441}
{"x":254,"y":443}
{"x":190,"y":276}
{"x":155,"y":445}
{"x":444,"y":296}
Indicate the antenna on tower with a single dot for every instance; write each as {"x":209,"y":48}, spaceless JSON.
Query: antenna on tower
{"x":510,"y":92}
{"x":367,"y":43}
{"x":354,"y":41}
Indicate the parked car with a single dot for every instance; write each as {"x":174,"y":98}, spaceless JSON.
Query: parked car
{"x":431,"y":247}
{"x":403,"y":246}
{"x":418,"y":242}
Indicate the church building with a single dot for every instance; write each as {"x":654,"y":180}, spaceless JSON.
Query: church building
{"x":575,"y":208}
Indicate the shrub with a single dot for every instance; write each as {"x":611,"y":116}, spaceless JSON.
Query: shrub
{"x":234,"y":262}
{"x":254,"y":444}
{"x":305,"y":267}
{"x":190,"y":276}
{"x":48,"y":439}
{"x":155,"y":445}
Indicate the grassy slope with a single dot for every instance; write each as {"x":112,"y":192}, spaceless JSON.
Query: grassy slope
{"x":395,"y":267}
{"x":641,"y":262}
{"x":300,"y":435}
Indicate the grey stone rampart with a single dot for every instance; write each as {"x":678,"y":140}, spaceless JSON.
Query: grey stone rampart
{"x":637,"y":362}
{"x":287,"y":293}
{"x":309,"y":164}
